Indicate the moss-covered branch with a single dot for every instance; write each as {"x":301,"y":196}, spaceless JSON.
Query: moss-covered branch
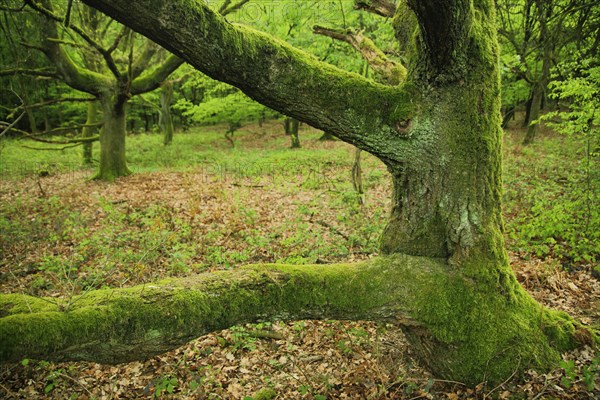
{"x":228,"y":8}
{"x":475,"y":333}
{"x":127,"y":324}
{"x":272,"y":72}
{"x":30,"y":72}
{"x":152,"y":80}
{"x":390,"y":71}
{"x":45,"y":8}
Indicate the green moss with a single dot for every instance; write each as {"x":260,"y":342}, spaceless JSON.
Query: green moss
{"x":264,"y":394}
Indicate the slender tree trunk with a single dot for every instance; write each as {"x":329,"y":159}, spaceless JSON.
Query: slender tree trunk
{"x":88,"y":131}
{"x":539,"y":90}
{"x":294,"y":133}
{"x":357,"y":176}
{"x":113,"y":161}
{"x":534,"y":113}
{"x":165,"y":116}
{"x":528,"y":105}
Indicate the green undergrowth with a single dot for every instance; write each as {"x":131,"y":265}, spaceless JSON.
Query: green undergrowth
{"x":551,"y":200}
{"x":51,"y":245}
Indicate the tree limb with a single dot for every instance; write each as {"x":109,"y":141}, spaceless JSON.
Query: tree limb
{"x":119,"y":325}
{"x":384,"y":8}
{"x":70,"y":146}
{"x":37,"y":137}
{"x":266,"y":69}
{"x":445,"y":26}
{"x":55,"y":101}
{"x":232,"y":8}
{"x":30,"y":72}
{"x":11,"y":125}
{"x":391,"y":72}
{"x":73,"y":75}
{"x":153,"y":79}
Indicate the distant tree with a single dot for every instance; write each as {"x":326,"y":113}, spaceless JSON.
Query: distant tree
{"x":110,"y":63}
{"x":536,"y":35}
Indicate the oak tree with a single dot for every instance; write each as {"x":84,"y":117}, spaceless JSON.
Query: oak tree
{"x":443,"y":276}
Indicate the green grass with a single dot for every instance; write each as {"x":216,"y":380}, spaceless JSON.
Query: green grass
{"x":550,"y":203}
{"x":146,"y":153}
{"x":60,"y":247}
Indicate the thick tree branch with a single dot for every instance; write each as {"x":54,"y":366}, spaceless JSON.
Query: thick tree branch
{"x":119,"y":325}
{"x":391,"y":72}
{"x":74,"y":76}
{"x":385,"y":8}
{"x":272,"y":72}
{"x":153,"y":79}
{"x":445,"y":27}
{"x":143,"y":60}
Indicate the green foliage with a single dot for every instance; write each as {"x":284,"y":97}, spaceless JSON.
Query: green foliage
{"x":577,"y":88}
{"x":588,"y":374}
{"x":552,"y":202}
{"x":165,"y":385}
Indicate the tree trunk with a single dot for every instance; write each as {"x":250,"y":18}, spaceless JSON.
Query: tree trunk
{"x":539,"y":89}
{"x":165,"y":119}
{"x":89,"y":131}
{"x":293,"y":132}
{"x":534,"y":113}
{"x":113,"y":161}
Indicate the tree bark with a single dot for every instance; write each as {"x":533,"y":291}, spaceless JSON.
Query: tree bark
{"x":444,"y":276}
{"x":165,"y":119}
{"x":113,"y":160}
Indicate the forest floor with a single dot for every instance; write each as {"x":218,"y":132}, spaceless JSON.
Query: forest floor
{"x":200,"y":205}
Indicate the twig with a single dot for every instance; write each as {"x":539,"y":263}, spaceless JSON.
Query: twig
{"x":10,"y":126}
{"x":51,"y":148}
{"x":331,"y":228}
{"x":502,"y":384}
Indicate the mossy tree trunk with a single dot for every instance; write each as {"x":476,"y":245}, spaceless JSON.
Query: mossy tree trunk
{"x":444,"y":277}
{"x":291,"y":128}
{"x":165,"y":119}
{"x":113,"y":159}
